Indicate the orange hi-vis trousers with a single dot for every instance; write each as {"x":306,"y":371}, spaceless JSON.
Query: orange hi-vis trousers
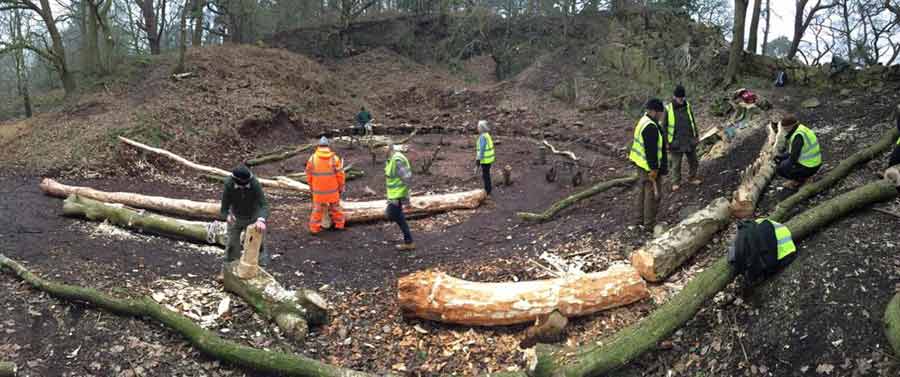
{"x":318,"y":212}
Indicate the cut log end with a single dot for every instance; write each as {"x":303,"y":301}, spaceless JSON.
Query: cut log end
{"x":742,"y":209}
{"x":643,"y":262}
{"x":893,"y":175}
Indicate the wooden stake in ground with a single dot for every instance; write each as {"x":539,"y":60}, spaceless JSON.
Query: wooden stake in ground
{"x":284,"y":183}
{"x":195,"y":231}
{"x":598,"y":358}
{"x":443,"y":298}
{"x":292,"y":311}
{"x":8,"y":369}
{"x":207,"y":342}
{"x":180,"y":207}
{"x":892,"y":323}
{"x":568,"y":201}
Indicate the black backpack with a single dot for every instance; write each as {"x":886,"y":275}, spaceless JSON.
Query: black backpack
{"x":754,"y":252}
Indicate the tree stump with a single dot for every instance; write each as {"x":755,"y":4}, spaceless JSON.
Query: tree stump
{"x":249,"y":264}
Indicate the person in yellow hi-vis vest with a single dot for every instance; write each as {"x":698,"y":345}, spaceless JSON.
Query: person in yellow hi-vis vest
{"x":682,"y":137}
{"x":648,"y":153}
{"x":760,"y":249}
{"x":484,"y":154}
{"x":398,"y":176}
{"x":895,"y":155}
{"x":804,"y":156}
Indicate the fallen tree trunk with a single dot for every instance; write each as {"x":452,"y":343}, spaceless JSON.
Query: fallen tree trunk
{"x":8,"y":369}
{"x":892,"y":323}
{"x":598,"y":358}
{"x":440,"y":297}
{"x":292,"y":311}
{"x":350,"y":173}
{"x":278,"y":156}
{"x":180,"y":207}
{"x":660,"y":257}
{"x":374,"y":210}
{"x":887,"y":141}
{"x":195,"y":231}
{"x":283,"y":183}
{"x":271,"y":362}
{"x":756,"y":177}
{"x":575,"y":198}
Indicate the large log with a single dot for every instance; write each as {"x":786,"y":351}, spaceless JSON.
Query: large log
{"x":280,"y":155}
{"x":292,"y":311}
{"x":440,"y":297}
{"x":180,"y":207}
{"x":568,"y":201}
{"x":887,"y":141}
{"x":600,"y":357}
{"x":756,"y":177}
{"x":892,"y":323}
{"x":195,"y":231}
{"x":207,"y":342}
{"x":660,"y":257}
{"x":283,"y":183}
{"x":374,"y":210}
{"x":8,"y":369}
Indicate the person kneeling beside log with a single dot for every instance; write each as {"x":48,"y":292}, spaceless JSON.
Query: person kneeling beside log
{"x":243,"y":204}
{"x":804,"y":157}
{"x":760,"y":249}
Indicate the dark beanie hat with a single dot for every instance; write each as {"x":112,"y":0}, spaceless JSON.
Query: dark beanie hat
{"x":788,"y":120}
{"x":654,"y":104}
{"x":679,"y":92}
{"x":241,"y":175}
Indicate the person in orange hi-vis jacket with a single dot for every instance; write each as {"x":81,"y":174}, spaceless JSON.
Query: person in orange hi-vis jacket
{"x":325,"y":175}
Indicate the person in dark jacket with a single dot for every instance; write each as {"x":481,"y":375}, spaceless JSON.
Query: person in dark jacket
{"x":363,"y":118}
{"x":895,"y":156}
{"x":648,"y":153}
{"x":682,"y":137}
{"x":804,"y":156}
{"x":243,"y":204}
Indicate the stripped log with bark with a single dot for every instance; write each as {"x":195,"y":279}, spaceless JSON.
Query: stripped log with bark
{"x":568,"y":201}
{"x":350,"y":173}
{"x":756,"y":177}
{"x":283,"y":183}
{"x":374,"y":210}
{"x":601,"y":357}
{"x":207,"y":342}
{"x":179,"y":207}
{"x":571,"y":155}
{"x":439,"y":297}
{"x":8,"y":369}
{"x":293,"y":311}
{"x":892,"y":323}
{"x":279,"y":155}
{"x":117,"y":214}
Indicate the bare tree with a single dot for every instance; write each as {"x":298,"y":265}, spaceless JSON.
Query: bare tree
{"x":153,"y":22}
{"x":823,"y":41}
{"x":53,"y":52}
{"x":802,"y":20}
{"x":15,"y":29}
{"x":737,"y":41}
{"x":768,"y":14}
{"x":197,"y":15}
{"x":754,"y":26}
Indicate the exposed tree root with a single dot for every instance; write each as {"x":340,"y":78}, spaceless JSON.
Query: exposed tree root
{"x":568,"y":201}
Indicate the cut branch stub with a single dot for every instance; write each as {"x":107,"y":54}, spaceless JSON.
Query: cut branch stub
{"x":248,"y":266}
{"x":8,"y":369}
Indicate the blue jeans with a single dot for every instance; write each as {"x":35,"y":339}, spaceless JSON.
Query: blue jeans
{"x":395,"y":214}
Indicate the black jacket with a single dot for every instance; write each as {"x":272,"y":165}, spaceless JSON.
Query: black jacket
{"x":651,"y":134}
{"x":247,"y":203}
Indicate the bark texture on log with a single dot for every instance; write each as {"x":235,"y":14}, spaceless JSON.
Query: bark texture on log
{"x":757,"y":176}
{"x":180,"y":207}
{"x":601,"y":357}
{"x":892,"y":323}
{"x":443,"y":298}
{"x":119,"y":215}
{"x":568,"y":201}
{"x":887,"y":141}
{"x":8,"y":369}
{"x":714,"y":143}
{"x":283,"y":183}
{"x":374,"y":210}
{"x":278,"y":156}
{"x":207,"y":342}
{"x":663,"y":255}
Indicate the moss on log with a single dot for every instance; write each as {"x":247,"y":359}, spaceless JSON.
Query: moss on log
{"x":279,"y":155}
{"x":887,"y":141}
{"x":122,"y":216}
{"x":568,"y":201}
{"x":600,"y":357}
{"x":277,"y":363}
{"x":892,"y":323}
{"x":8,"y":369}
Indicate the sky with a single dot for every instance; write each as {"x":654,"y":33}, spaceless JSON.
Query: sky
{"x":782,"y":21}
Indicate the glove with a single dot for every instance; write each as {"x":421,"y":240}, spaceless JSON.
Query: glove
{"x":261,"y":224}
{"x":653,"y":174}
{"x":230,"y":218}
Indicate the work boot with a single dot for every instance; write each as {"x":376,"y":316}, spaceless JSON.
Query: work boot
{"x":406,"y":246}
{"x":791,"y":185}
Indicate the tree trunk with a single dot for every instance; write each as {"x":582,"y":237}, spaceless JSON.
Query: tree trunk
{"x":21,"y":67}
{"x":280,"y":155}
{"x":598,"y":358}
{"x":737,"y":42}
{"x":892,"y":323}
{"x":8,"y":369}
{"x":119,"y":215}
{"x":292,"y":311}
{"x":887,"y":141}
{"x":179,"y":207}
{"x":207,"y":342}
{"x":150,"y":25}
{"x":91,"y":51}
{"x":58,"y":50}
{"x":754,"y":26}
{"x":197,"y":35}
{"x":284,"y":183}
{"x":570,"y":200}
{"x":439,"y":297}
{"x":374,"y":210}
{"x":663,"y":255}
{"x":182,"y":37}
{"x":757,"y":176}
{"x":765,"y":41}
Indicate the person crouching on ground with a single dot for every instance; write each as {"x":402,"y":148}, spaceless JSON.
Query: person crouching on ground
{"x":398,"y":176}
{"x":484,"y":154}
{"x":804,"y":156}
{"x":243,"y":204}
{"x":325,"y":175}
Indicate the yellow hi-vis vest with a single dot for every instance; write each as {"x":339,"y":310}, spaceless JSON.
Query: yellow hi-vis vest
{"x":670,"y":111}
{"x":811,"y":155}
{"x":783,"y":236}
{"x":638,"y":154}
{"x":487,"y":155}
{"x":396,"y":189}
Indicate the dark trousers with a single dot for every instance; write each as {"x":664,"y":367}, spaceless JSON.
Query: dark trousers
{"x":395,"y":214}
{"x":895,"y":156}
{"x":676,"y":165}
{"x":486,"y":177}
{"x":789,"y":170}
{"x":234,"y":249}
{"x":646,"y":202}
